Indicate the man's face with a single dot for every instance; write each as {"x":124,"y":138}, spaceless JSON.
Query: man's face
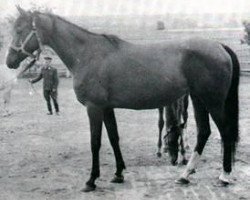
{"x":47,"y":63}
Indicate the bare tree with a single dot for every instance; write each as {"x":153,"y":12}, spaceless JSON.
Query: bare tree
{"x":42,"y":8}
{"x":246,"y":39}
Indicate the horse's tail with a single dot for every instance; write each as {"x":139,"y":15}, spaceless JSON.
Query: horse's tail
{"x":232,"y":106}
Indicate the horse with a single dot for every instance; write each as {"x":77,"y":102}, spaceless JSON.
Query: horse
{"x":176,"y":121}
{"x":7,"y":81}
{"x":109,"y":73}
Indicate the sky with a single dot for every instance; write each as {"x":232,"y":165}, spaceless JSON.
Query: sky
{"x":128,"y":7}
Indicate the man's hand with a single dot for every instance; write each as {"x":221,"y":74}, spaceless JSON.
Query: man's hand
{"x":54,"y":90}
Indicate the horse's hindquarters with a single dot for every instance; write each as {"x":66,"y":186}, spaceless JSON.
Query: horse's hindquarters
{"x":209,"y":74}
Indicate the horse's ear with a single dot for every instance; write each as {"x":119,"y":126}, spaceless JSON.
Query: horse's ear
{"x":21,"y":11}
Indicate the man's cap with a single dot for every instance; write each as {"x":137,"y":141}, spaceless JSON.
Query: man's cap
{"x":47,"y":58}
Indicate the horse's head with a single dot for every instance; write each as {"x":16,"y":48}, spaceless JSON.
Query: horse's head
{"x":25,"y":39}
{"x":172,"y":142}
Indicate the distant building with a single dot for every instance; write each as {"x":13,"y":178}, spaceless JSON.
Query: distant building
{"x":160,"y":25}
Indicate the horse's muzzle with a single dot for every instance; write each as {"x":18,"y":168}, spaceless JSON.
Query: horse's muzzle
{"x":12,"y":65}
{"x":13,"y":60}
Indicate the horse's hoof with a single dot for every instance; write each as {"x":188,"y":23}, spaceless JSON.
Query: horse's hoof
{"x":184,"y":162}
{"x":224,"y":179}
{"x":158,"y":154}
{"x":89,"y":188}
{"x":193,"y":171}
{"x":118,"y":179}
{"x":223,"y":183}
{"x":174,"y":163}
{"x":182,"y":181}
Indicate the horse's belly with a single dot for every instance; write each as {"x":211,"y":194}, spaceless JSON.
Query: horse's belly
{"x":148,"y":98}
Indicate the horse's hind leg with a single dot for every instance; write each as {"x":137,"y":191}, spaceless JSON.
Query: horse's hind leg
{"x":183,"y":138}
{"x":111,"y":126}
{"x":203,"y":129}
{"x":160,"y":125}
{"x":183,"y":150}
{"x":185,"y":118}
{"x":184,"y":113}
{"x":226,"y":128}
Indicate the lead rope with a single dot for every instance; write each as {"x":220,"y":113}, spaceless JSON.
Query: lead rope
{"x":32,"y":89}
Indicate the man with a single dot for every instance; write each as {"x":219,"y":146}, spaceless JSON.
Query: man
{"x":50,"y":84}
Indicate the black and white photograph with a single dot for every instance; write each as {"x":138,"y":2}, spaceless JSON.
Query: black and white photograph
{"x":125,"y":99}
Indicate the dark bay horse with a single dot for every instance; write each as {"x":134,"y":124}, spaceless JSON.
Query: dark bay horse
{"x":111,"y":73}
{"x":176,"y":115}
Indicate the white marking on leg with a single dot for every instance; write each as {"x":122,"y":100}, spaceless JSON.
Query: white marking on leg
{"x":225,"y":177}
{"x":192,"y":163}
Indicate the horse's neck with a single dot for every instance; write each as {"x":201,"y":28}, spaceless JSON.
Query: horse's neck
{"x":73,"y":45}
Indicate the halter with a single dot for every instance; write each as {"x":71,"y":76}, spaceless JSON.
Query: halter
{"x":21,"y":48}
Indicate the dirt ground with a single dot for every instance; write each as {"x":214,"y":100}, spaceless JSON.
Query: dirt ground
{"x":48,"y":157}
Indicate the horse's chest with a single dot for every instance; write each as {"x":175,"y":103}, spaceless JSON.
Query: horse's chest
{"x":90,"y":91}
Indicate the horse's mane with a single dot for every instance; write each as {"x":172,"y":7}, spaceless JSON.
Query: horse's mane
{"x":112,"y":39}
{"x":64,"y":20}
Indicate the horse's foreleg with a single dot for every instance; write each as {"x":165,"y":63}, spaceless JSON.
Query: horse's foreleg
{"x":95,"y":119}
{"x":160,"y":126}
{"x":111,"y":126}
{"x":203,"y":128}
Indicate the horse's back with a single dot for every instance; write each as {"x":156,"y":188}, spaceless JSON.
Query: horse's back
{"x":166,"y":71}
{"x":145,"y":77}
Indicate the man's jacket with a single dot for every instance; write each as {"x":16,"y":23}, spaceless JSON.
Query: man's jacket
{"x":50,"y":78}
